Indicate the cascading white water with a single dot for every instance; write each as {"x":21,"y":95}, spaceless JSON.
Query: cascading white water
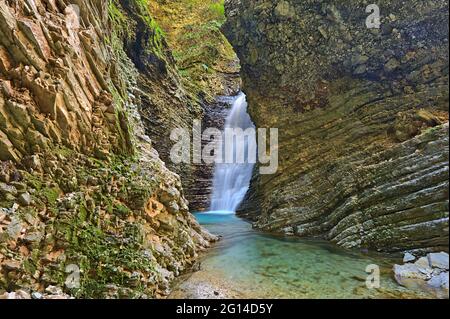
{"x":231,"y":181}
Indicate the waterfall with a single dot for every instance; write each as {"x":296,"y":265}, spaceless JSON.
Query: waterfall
{"x":232,"y":180}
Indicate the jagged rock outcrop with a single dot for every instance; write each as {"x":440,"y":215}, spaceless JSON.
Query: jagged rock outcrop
{"x":206,"y":60}
{"x":362,"y":114}
{"x":86,"y":204}
{"x":55,"y":81}
{"x":182,"y":85}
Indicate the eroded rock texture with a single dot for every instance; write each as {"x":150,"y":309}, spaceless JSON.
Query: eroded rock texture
{"x":362,"y":114}
{"x":56,"y":81}
{"x":175,"y":92}
{"x":81,"y":185}
{"x":165,"y":104}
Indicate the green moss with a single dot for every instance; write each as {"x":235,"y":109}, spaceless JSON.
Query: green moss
{"x":65,"y":152}
{"x":106,"y":259}
{"x":201,"y":51}
{"x":107,"y":251}
{"x":218,"y":10}
{"x":121,"y":210}
{"x":33,"y":181}
{"x":50,"y":194}
{"x":121,"y":24}
{"x":29,"y":266}
{"x":82,"y":213}
{"x":116,"y":15}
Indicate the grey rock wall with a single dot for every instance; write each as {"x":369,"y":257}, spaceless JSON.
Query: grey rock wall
{"x":362,"y":114}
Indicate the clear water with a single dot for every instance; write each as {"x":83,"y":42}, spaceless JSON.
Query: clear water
{"x":257,"y":265}
{"x":265,"y":266}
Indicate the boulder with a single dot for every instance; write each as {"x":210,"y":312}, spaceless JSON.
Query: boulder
{"x":438,"y":260}
{"x":408,"y":271}
{"x":25,"y":199}
{"x":439,"y":281}
{"x":423,"y":263}
{"x":10,"y":265}
{"x":408,"y":257}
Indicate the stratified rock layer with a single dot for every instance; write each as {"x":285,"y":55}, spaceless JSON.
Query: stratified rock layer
{"x":86,"y":204}
{"x":56,"y":83}
{"x":175,"y":92}
{"x":362,"y":114}
{"x":209,"y":69}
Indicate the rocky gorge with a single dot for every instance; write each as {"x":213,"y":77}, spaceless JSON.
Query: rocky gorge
{"x":363,"y":119}
{"x":91,"y":205}
{"x":83,"y":190}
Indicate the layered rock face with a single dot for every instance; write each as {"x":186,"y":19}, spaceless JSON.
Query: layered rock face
{"x":86,"y":204}
{"x":203,"y":67}
{"x":165,"y":103}
{"x":55,"y":81}
{"x":201,"y":188}
{"x":362,"y":116}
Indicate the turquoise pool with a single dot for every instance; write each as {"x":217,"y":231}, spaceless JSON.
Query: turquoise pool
{"x":266,"y":266}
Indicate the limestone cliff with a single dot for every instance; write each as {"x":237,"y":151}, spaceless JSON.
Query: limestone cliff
{"x":362,"y":114}
{"x":208,"y":69}
{"x":83,"y":193}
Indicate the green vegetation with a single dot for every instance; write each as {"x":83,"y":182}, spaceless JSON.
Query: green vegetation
{"x":109,"y":251}
{"x":116,"y":16}
{"x":202,"y":53}
{"x":105,"y":259}
{"x":123,"y":25}
{"x":158,"y":34}
{"x":98,"y":230}
{"x":192,"y":29}
{"x":218,"y":9}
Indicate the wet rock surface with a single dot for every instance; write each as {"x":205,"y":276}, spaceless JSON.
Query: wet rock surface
{"x":427,"y":273}
{"x":362,"y":117}
{"x":201,"y":191}
{"x":180,"y":83}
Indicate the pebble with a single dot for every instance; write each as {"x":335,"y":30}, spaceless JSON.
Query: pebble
{"x":36,"y":295}
{"x":25,"y":199}
{"x":408,"y":258}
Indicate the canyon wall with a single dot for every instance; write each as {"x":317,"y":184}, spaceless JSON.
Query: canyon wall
{"x":84,"y":195}
{"x":207,"y":68}
{"x":165,"y":103}
{"x":362,"y":116}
